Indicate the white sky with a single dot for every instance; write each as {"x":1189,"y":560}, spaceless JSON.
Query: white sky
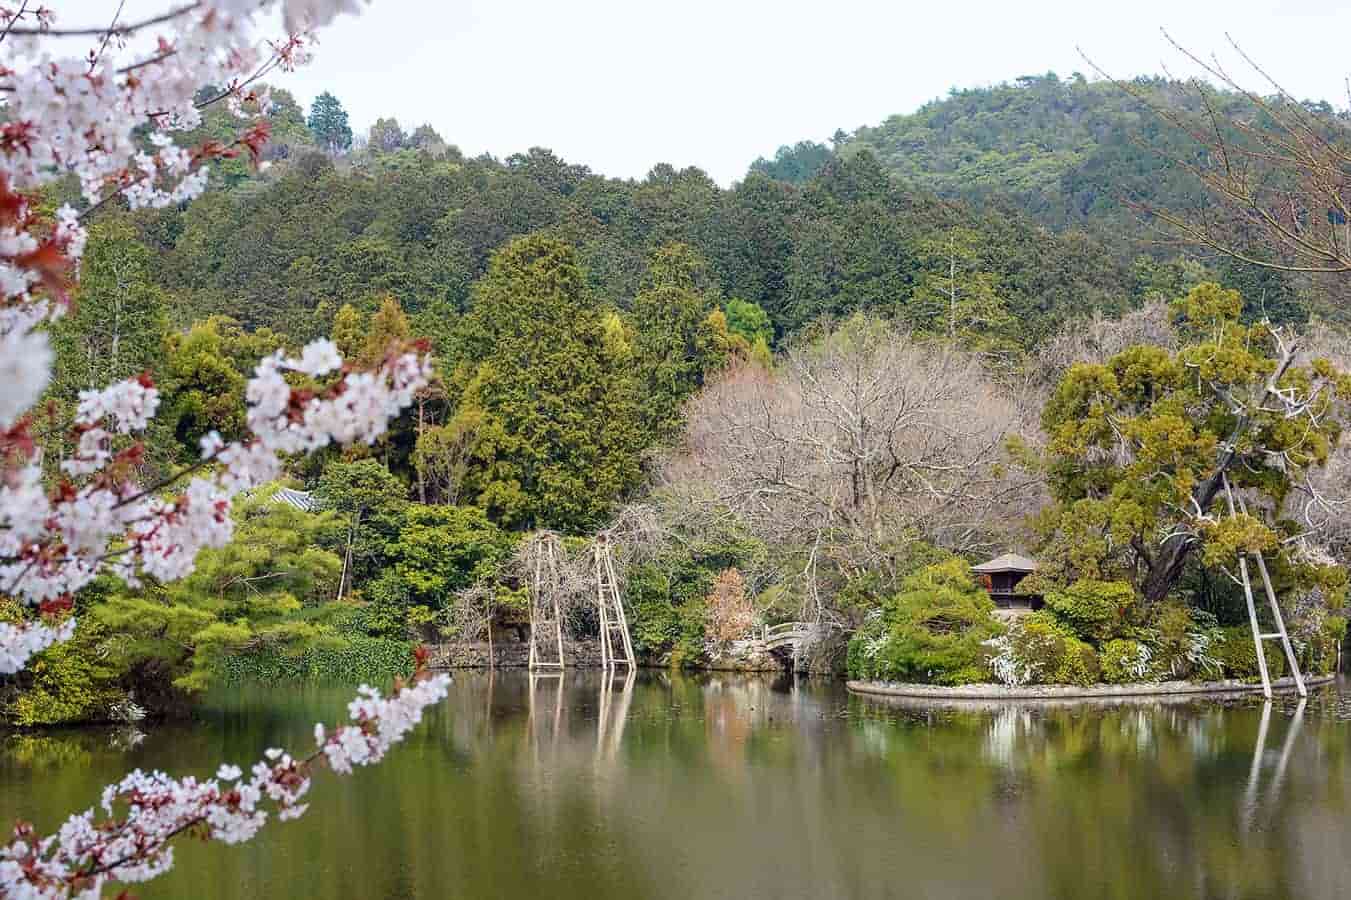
{"x":620,"y":86}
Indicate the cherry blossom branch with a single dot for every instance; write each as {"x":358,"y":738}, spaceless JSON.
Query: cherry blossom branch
{"x":145,"y":812}
{"x":118,"y":30}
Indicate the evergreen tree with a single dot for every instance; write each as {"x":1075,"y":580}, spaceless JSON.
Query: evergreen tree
{"x":328,"y":123}
{"x":797,"y":164}
{"x":956,"y":296}
{"x":677,"y":341}
{"x":556,"y":437}
{"x":118,"y":321}
{"x":387,"y":326}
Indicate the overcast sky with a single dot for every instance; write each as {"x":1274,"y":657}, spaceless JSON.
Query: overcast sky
{"x":621,"y":86}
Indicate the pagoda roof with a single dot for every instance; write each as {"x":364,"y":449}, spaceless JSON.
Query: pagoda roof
{"x":1009,"y":562}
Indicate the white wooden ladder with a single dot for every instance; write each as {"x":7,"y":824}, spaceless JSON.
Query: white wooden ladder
{"x":1258,"y":635}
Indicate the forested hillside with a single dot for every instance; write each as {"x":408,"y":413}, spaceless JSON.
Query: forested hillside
{"x":1065,"y":151}
{"x":420,"y":224}
{"x":1070,"y":155}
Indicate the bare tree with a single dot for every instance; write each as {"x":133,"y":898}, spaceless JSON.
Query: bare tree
{"x":1098,"y":338}
{"x":1277,"y":171}
{"x":1320,"y":501}
{"x":864,"y":442}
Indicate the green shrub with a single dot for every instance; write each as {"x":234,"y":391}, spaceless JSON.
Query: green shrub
{"x":68,"y":682}
{"x":930,"y":632}
{"x":1126,"y":661}
{"x":1235,"y":651}
{"x":1095,"y":610}
{"x":1079,"y":665}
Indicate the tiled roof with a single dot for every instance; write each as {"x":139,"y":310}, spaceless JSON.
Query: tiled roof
{"x":1009,"y":562}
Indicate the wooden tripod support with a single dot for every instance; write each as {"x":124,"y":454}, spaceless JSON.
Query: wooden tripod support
{"x":616,"y":647}
{"x":546,"y":616}
{"x":1258,"y":635}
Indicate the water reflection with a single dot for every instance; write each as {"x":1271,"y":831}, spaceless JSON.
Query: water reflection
{"x":661,"y":785}
{"x":1251,"y":801}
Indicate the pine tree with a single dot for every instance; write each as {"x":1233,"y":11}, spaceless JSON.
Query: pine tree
{"x":328,"y":122}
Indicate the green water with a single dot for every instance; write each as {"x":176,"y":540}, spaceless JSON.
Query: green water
{"x":747,"y":787}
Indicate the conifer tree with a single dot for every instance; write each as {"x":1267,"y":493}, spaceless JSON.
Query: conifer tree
{"x":328,"y":123}
{"x":682,"y":336}
{"x":556,"y":437}
{"x":118,"y":321}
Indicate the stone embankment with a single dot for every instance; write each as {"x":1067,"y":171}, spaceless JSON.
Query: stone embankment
{"x":1075,"y":692}
{"x":507,"y":654}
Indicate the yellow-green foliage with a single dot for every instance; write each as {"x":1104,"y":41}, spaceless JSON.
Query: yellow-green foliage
{"x":1130,"y":441}
{"x":1229,"y":536}
{"x":931,"y":631}
{"x":1094,"y":610}
{"x":70,"y":682}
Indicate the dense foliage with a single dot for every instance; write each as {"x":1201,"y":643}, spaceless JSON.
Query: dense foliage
{"x":1068,"y":151}
{"x":832,"y":356}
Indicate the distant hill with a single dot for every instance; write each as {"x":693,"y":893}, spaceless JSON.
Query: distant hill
{"x":1072,"y":155}
{"x":1065,"y":151}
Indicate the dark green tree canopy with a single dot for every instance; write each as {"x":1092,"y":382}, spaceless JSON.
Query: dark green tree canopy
{"x":555,"y":435}
{"x":798,"y":163}
{"x":328,"y":123}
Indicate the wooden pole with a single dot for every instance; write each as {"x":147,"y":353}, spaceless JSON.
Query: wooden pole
{"x":558,"y":613}
{"x":1252,"y":607}
{"x":1276,"y":615}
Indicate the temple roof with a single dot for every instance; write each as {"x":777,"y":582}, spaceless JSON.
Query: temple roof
{"x":1009,"y":562}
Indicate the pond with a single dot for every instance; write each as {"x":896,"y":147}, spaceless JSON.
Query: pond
{"x":749,"y":787}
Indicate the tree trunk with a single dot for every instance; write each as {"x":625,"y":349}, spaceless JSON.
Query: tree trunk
{"x":1166,"y":566}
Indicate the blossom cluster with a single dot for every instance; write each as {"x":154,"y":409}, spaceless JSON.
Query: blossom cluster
{"x":109,"y":120}
{"x":144,"y":812}
{"x":102,"y":519}
{"x":86,"y":115}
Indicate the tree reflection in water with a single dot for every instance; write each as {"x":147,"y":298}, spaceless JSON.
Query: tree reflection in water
{"x":665,"y":785}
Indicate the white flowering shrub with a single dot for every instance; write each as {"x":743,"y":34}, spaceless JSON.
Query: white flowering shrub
{"x":1127,"y":661}
{"x":1019,"y":656}
{"x":109,"y":119}
{"x":1199,"y":653}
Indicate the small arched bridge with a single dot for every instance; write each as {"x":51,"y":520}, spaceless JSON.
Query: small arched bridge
{"x":783,"y":637}
{"x":784,"y":642}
